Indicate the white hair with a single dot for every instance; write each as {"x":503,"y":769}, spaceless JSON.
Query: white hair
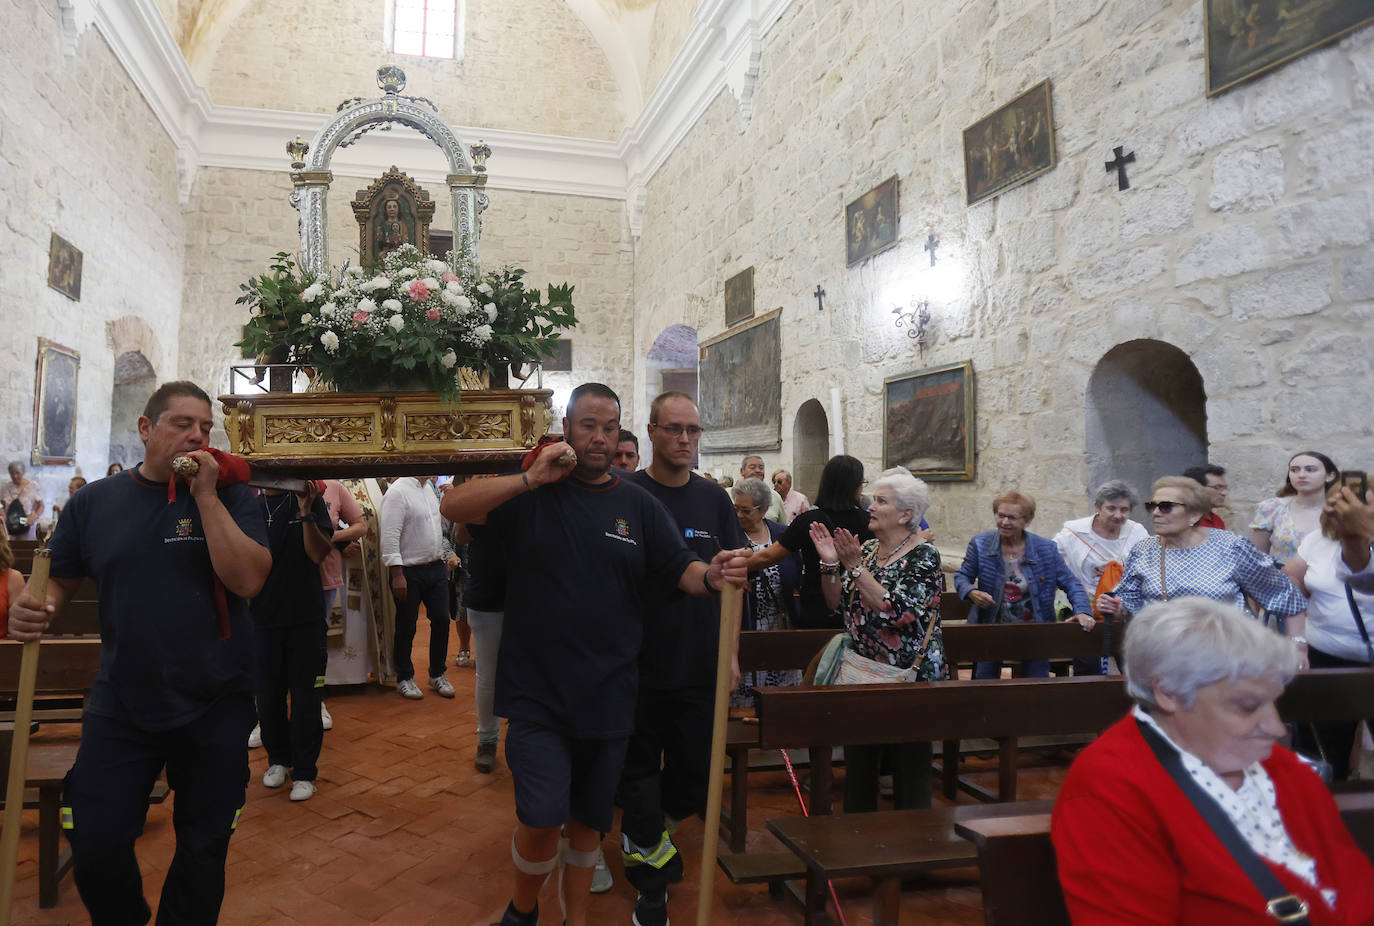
{"x":756,"y":490}
{"x":906,"y":492}
{"x":1186,"y":644}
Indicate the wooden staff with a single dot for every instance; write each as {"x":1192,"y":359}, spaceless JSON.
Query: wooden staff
{"x":731,"y":604}
{"x":19,"y":748}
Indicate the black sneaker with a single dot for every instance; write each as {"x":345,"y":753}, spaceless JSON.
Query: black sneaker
{"x":486,"y":758}
{"x":651,"y":908}
{"x":513,"y":917}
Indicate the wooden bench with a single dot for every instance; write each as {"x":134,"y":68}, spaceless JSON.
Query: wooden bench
{"x":1020,"y":877}
{"x":65,"y":667}
{"x":78,"y":619}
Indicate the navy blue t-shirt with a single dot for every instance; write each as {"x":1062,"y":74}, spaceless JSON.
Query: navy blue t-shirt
{"x":162,"y":662}
{"x":583,"y":561}
{"x":683,"y":632}
{"x":293,"y":594}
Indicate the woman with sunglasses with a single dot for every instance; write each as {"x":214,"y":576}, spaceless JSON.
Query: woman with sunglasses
{"x":1184,"y":559}
{"x":1283,"y":521}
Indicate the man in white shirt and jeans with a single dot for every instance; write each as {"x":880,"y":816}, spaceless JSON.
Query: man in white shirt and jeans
{"x":413,"y":552}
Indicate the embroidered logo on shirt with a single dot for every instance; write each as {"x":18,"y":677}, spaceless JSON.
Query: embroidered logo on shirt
{"x":184,"y":527}
{"x":181,"y":531}
{"x":622,"y":532}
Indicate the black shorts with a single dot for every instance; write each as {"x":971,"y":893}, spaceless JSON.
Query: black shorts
{"x":558,"y":778}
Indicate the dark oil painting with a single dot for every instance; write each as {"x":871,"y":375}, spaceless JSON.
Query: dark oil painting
{"x":1246,"y":38}
{"x":1010,"y":146}
{"x":928,"y":422}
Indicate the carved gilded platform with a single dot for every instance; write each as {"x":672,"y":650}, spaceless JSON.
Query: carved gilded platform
{"x":350,"y":434}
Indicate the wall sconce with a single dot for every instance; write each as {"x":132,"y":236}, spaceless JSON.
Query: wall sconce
{"x":916,"y":320}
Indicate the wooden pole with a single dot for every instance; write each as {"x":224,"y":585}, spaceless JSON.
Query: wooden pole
{"x":19,"y":749}
{"x":731,"y":604}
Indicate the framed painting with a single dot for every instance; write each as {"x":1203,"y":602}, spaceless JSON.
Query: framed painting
{"x":1246,"y":38}
{"x":1010,"y":146}
{"x":64,"y":267}
{"x":560,"y":360}
{"x":870,"y":222}
{"x":928,"y":422}
{"x":739,"y":297}
{"x":740,"y":388}
{"x":54,"y":406}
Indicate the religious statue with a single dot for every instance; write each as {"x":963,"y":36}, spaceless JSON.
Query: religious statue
{"x":391,"y":230}
{"x":392,"y":211}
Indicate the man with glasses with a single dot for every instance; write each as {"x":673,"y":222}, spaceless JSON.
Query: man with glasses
{"x":794,"y":503}
{"x":1212,"y":478}
{"x":667,"y":764}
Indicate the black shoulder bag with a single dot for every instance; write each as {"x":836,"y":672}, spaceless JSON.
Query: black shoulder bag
{"x":1359,"y":623}
{"x":1282,"y":905}
{"x":16,"y":519}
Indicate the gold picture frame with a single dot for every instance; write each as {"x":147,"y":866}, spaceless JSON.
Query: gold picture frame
{"x":1247,"y":38}
{"x":54,"y":405}
{"x":1011,"y":145}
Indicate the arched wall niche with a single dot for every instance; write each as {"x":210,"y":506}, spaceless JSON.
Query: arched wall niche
{"x":1146,"y":415}
{"x":134,"y":381}
{"x":810,"y":447}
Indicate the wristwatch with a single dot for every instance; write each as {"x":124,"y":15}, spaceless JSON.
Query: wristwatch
{"x":857,"y":571}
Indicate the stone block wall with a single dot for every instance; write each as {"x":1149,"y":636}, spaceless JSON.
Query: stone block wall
{"x":1244,"y":240}
{"x":530,"y":66}
{"x":83,"y":155}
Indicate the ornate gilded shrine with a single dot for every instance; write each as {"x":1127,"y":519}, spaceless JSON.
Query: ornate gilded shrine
{"x":321,"y":433}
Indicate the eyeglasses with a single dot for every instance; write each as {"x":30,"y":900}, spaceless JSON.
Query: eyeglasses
{"x":740,"y":509}
{"x":1162,"y":507}
{"x":676,"y":430}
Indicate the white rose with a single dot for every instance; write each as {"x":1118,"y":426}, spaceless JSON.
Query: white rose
{"x":406,"y":273}
{"x":312,"y":292}
{"x":329,"y":309}
{"x":449,"y":297}
{"x":396,"y":322}
{"x":307,"y":318}
{"x":330,"y":340}
{"x":366,"y":305}
{"x":484,"y":289}
{"x":356,"y":271}
{"x":431,"y":283}
{"x":463,"y":302}
{"x":448,"y":360}
{"x":490,"y":309}
{"x":376,"y":283}
{"x":436,"y":266}
{"x":481,"y":334}
{"x":391,"y":305}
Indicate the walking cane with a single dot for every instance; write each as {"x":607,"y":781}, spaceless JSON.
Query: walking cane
{"x":731,"y":603}
{"x":19,"y":748}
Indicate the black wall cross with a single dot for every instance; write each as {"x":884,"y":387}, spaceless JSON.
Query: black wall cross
{"x":820,"y":298}
{"x":931,"y":244}
{"x":1119,"y":165}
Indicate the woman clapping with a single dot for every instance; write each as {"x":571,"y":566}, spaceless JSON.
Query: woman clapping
{"x":887,"y":591}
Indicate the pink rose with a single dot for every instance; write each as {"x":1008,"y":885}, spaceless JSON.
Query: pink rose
{"x":449,"y":278}
{"x":360,"y":318}
{"x":432,"y":315}
{"x":419,"y":292}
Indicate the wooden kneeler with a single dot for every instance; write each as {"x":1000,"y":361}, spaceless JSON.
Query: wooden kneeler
{"x":731,"y":605}
{"x":19,"y":751}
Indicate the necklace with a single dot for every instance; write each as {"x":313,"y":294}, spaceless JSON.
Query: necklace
{"x":274,"y":511}
{"x":887,"y":560}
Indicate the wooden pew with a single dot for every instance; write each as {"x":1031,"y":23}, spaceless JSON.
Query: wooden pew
{"x":65,"y":667}
{"x":80,"y":618}
{"x":1021,"y":880}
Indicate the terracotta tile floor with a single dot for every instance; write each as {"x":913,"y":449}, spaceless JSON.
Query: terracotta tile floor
{"x":403,"y":830}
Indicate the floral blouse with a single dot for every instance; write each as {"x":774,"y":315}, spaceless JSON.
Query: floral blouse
{"x":894,"y":637}
{"x":1275,"y":516}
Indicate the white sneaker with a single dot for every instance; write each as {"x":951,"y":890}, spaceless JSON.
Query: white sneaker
{"x":326,"y":719}
{"x":409,"y":689}
{"x":302,"y":790}
{"x":442,"y":686}
{"x":601,"y":874}
{"x":464,"y":659}
{"x":255,"y":738}
{"x":275,"y":776}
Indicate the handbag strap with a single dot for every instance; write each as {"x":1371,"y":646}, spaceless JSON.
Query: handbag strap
{"x":1280,"y":903}
{"x":1163,"y":586}
{"x":1359,"y":622}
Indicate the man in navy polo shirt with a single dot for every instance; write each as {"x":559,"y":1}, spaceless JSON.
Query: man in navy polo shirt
{"x":587,"y":553}
{"x":667,"y":764}
{"x":174,"y":688}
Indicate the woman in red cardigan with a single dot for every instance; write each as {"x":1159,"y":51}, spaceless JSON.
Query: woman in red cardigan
{"x":1133,"y":848}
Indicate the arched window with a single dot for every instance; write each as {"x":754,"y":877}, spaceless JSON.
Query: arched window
{"x":426,"y":28}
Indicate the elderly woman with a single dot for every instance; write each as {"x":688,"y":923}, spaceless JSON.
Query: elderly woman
{"x":1129,"y":829}
{"x":837,"y":505}
{"x":1010,"y":575}
{"x":772,"y":598}
{"x":1186,"y":559}
{"x":1337,"y":632}
{"x":1283,"y":521}
{"x":889,"y":598}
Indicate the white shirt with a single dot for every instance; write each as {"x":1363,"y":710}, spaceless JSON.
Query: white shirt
{"x":1087,"y":554}
{"x":1330,"y":624}
{"x":411,"y":526}
{"x":1253,"y":809}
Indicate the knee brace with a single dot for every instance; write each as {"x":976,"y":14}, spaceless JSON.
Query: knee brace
{"x":578,"y":859}
{"x":528,"y":867}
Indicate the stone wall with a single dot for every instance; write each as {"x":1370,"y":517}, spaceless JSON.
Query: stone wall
{"x":238,"y":219}
{"x":1244,"y":238}
{"x":82,"y":155}
{"x":530,"y":66}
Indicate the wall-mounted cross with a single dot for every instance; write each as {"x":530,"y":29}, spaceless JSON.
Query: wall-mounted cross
{"x":820,"y":298}
{"x":931,"y":244}
{"x":1119,"y":165}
